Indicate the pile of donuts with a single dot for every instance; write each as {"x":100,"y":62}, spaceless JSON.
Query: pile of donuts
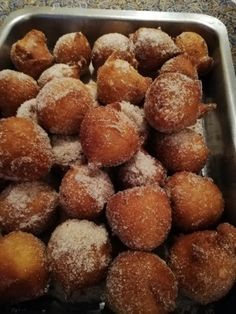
{"x":98,"y":174}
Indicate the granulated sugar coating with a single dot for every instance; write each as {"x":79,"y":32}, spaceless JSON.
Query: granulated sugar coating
{"x":140,"y":282}
{"x":204,"y":263}
{"x":28,"y":110}
{"x":79,"y":254}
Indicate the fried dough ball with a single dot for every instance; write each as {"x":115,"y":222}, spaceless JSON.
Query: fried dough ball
{"x":23,"y":267}
{"x":197,"y":202}
{"x":78,"y":254}
{"x":173,"y":102}
{"x":140,"y":216}
{"x":136,"y":114}
{"x":27,"y":206}
{"x":105,"y":45}
{"x":28,"y":110}
{"x":62,"y":104}
{"x":196,"y":47}
{"x":73,"y":48}
{"x":152,"y":47}
{"x":204,"y":264}
{"x":58,"y":70}
{"x":142,"y":169}
{"x":84,"y":192}
{"x":140,"y":282}
{"x":30,"y":54}
{"x":128,"y":56}
{"x":184,"y":150}
{"x":108,"y":137}
{"x":25,"y":150}
{"x":15,"y":88}
{"x":117,"y":80}
{"x":67,"y":150}
{"x":181,"y":64}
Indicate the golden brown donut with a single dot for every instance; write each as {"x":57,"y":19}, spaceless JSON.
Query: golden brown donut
{"x":30,"y":54}
{"x":62,"y":104}
{"x":197,"y":202}
{"x":204,"y":263}
{"x":15,"y":88}
{"x":28,"y":206}
{"x":152,"y":47}
{"x":84,"y":192}
{"x":78,"y":254}
{"x":184,"y":150}
{"x":108,"y":137}
{"x":173,"y":102}
{"x":73,"y":48}
{"x":23,"y":267}
{"x":181,"y":64}
{"x":25,"y":150}
{"x":196,"y":47}
{"x":140,"y":282}
{"x":105,"y":45}
{"x":140,"y":216}
{"x":117,"y":80}
{"x":142,"y":169}
{"x":58,"y":70}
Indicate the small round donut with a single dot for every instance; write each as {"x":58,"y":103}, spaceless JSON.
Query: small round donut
{"x":23,"y":267}
{"x":30,"y":54}
{"x":58,"y":70}
{"x":140,"y":282}
{"x":152,"y":47}
{"x":181,"y":64}
{"x":28,"y":110}
{"x":196,"y":47}
{"x":182,"y":151}
{"x":197,"y":202}
{"x":78,"y":254}
{"x":172,"y":102}
{"x":108,"y":137}
{"x":203,"y":264}
{"x":73,"y":48}
{"x":15,"y":88}
{"x":105,"y":45}
{"x":67,"y":150}
{"x":62,"y":104}
{"x":84,"y":192}
{"x":117,"y":80}
{"x":136,"y":114}
{"x":142,"y":169}
{"x":140,"y":216}
{"x":25,"y":150}
{"x":27,"y":206}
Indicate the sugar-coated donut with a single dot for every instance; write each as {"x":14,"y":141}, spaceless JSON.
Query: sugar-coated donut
{"x":79,"y":254}
{"x":197,"y":202}
{"x":23,"y":267}
{"x":84,"y":192}
{"x":31,"y":55}
{"x":58,"y":70}
{"x":108,"y":137}
{"x":196,"y":47}
{"x":118,"y":80}
{"x":105,"y":45}
{"x":184,"y":150}
{"x":25,"y":150}
{"x":15,"y":88}
{"x":73,"y":48}
{"x":142,"y":169}
{"x":204,"y":263}
{"x":140,"y":216}
{"x":62,"y":104}
{"x":140,"y":282}
{"x":152,"y":47}
{"x":28,"y":110}
{"x":27,"y":206}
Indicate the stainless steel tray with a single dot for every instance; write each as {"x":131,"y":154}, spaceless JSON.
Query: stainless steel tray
{"x":219,"y":86}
